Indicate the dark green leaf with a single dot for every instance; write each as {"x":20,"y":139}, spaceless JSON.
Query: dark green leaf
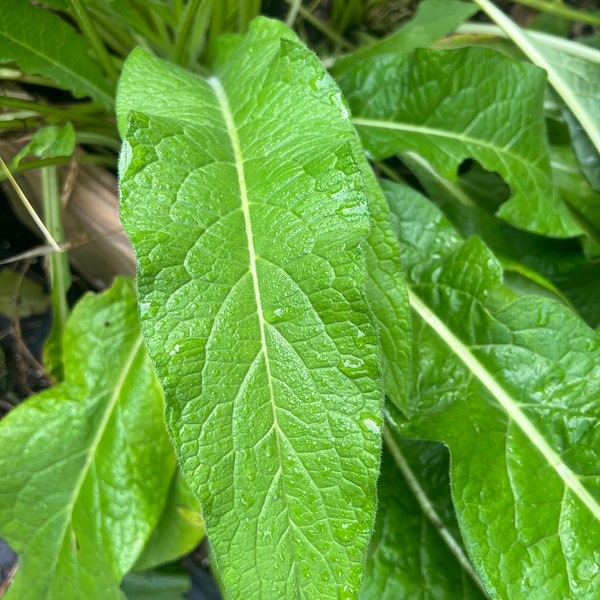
{"x":40,"y":42}
{"x":444,"y":106}
{"x":416,"y":550}
{"x":513,"y":393}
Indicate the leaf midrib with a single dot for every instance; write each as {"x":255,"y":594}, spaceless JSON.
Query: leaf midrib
{"x":223,"y":102}
{"x":442,"y":133}
{"x":509,"y":404}
{"x":91,"y":450}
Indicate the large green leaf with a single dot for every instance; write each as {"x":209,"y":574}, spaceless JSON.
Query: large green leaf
{"x":409,"y":103}
{"x":40,"y":42}
{"x":85,"y":466}
{"x":513,"y":393}
{"x":416,"y":550}
{"x":243,"y":197}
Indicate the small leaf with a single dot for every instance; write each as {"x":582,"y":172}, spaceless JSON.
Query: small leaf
{"x":513,"y":393}
{"x":85,"y":466}
{"x":42,"y":43}
{"x":244,"y":199}
{"x":409,"y":103}
{"x":48,"y":142}
{"x":20,"y":296}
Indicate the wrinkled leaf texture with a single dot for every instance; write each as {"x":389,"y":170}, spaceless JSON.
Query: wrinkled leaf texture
{"x":244,"y":199}
{"x":416,"y":550}
{"x":42,"y":43}
{"x":445,"y":106}
{"x":85,"y":466}
{"x":513,"y":393}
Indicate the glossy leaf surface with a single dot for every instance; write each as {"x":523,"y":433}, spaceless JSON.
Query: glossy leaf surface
{"x":513,"y":393}
{"x":573,"y":73}
{"x":409,"y":103}
{"x":56,"y":51}
{"x":85,"y":466}
{"x":416,"y":550}
{"x":244,"y":198}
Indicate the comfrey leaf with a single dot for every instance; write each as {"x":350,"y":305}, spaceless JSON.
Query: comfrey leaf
{"x":513,"y":393}
{"x":244,"y":199}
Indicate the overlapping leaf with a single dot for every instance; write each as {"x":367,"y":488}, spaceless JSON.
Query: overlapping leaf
{"x":513,"y":393}
{"x":573,"y":71}
{"x":85,"y":466}
{"x":416,"y":549}
{"x":56,"y":50}
{"x":243,"y":197}
{"x":445,"y":106}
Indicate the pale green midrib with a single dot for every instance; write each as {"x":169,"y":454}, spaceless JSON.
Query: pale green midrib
{"x":509,"y":404}
{"x":521,"y":39}
{"x":245,"y":206}
{"x":100,"y":93}
{"x":441,"y":133}
{"x":91,"y":451}
{"x":429,"y":510}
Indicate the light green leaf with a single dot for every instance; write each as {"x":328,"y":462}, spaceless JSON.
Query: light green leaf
{"x":416,"y":550}
{"x":433,"y":20}
{"x":244,"y":200}
{"x":48,"y":142}
{"x":513,"y":393}
{"x":574,"y":74}
{"x":387,"y":294}
{"x":85,"y":466}
{"x":40,"y":42}
{"x":409,"y":103}
{"x":179,"y":529}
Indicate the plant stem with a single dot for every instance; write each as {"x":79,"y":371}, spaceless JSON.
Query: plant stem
{"x":90,"y":32}
{"x":60,"y":276}
{"x":428,"y":508}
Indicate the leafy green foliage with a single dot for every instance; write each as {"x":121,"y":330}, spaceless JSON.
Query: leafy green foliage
{"x":416,"y":544}
{"x":63,"y":56}
{"x":281,"y":292}
{"x":406,"y":103}
{"x":98,"y":455}
{"x":271,"y":365}
{"x":511,"y":391}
